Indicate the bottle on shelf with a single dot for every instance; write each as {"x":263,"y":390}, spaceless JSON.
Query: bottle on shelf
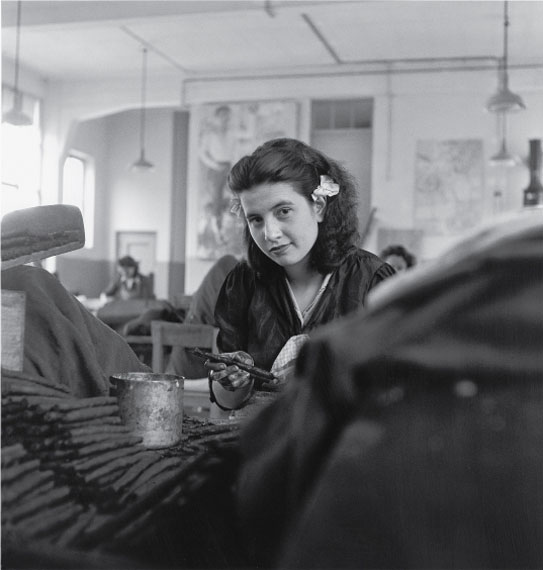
{"x":533,"y":194}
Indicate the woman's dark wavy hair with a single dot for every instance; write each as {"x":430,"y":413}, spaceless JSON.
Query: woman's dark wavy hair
{"x":290,"y":160}
{"x":400,"y":251}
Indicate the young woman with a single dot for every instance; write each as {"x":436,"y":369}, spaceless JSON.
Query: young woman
{"x":129,"y":282}
{"x":303,"y":265}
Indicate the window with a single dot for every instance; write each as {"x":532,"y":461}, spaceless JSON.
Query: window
{"x":78,"y":190}
{"x":342,"y":114}
{"x":21,"y":157}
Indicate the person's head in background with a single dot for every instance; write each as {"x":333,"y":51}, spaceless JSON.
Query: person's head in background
{"x":128,"y":267}
{"x":299,"y":206}
{"x":398,"y":257}
{"x":222,"y":116}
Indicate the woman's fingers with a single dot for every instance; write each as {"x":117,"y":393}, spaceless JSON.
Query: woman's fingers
{"x":230,"y":376}
{"x":234,"y":375}
{"x":243,"y":357}
{"x":239,"y":378}
{"x":214,"y":366}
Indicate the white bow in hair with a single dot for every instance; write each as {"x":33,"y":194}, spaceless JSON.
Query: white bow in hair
{"x":326,"y":188}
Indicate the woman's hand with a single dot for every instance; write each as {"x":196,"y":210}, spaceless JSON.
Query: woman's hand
{"x":230,"y":376}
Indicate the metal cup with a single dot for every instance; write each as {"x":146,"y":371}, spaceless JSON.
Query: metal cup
{"x":151,"y":405}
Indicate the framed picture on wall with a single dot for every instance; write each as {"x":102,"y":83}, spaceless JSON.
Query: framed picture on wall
{"x":220,"y":135}
{"x":449,"y":186}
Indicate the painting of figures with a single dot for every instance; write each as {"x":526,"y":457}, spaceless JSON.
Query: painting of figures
{"x":222,"y":134}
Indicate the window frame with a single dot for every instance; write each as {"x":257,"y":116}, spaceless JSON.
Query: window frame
{"x":88,"y":192}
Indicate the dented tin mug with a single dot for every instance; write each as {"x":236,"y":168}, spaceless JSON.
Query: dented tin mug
{"x":151,"y":405}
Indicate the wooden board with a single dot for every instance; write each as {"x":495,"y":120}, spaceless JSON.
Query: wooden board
{"x":13,"y":328}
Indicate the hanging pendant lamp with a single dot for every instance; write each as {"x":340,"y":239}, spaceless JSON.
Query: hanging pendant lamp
{"x":503,"y":157}
{"x":142,"y":164}
{"x":504,"y":100}
{"x":16,"y":116}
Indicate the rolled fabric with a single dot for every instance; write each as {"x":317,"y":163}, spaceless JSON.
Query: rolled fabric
{"x":40,"y":232}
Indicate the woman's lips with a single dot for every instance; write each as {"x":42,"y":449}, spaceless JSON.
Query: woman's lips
{"x":279,"y":249}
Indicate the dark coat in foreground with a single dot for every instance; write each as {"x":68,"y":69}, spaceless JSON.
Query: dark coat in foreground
{"x":413,"y":434}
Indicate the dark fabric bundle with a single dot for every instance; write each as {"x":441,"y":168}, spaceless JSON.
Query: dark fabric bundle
{"x":64,"y":342}
{"x":413,"y":434}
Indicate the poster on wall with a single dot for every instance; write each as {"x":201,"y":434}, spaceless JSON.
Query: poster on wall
{"x":220,"y":135}
{"x":448,"y":186}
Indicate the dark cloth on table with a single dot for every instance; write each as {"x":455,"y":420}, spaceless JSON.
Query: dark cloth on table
{"x":201,"y":312}
{"x":141,"y":325}
{"x":256,"y":314}
{"x":126,"y":316}
{"x":63,"y":341}
{"x":412,"y":436}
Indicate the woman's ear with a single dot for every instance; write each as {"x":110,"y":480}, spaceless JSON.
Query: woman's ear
{"x":319,"y":205}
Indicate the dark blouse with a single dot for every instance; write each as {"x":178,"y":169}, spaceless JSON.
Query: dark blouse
{"x":256,"y":314}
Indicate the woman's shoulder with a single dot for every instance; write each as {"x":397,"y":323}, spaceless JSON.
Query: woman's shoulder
{"x":358,"y":256}
{"x":241,"y":270}
{"x":368,"y":266}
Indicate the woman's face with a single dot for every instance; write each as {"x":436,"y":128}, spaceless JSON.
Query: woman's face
{"x":282,"y":222}
{"x":127,"y":272}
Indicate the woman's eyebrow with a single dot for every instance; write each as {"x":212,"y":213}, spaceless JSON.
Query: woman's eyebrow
{"x":278,"y":205}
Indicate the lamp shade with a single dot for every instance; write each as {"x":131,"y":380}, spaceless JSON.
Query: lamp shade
{"x":142,"y":164}
{"x":504,"y":100}
{"x":16,"y":116}
{"x":503,"y":157}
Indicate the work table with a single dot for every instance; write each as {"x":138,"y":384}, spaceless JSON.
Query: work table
{"x":74,"y":478}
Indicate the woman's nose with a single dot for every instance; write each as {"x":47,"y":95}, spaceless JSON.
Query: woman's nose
{"x":271,"y":230}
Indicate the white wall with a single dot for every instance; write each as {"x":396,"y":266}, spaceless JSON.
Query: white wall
{"x":125,"y":200}
{"x":89,"y":138}
{"x":65,"y":105}
{"x":140,"y":201}
{"x":409,"y":107}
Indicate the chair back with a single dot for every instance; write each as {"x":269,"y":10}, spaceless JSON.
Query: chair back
{"x":150,"y":286}
{"x":164,"y":334}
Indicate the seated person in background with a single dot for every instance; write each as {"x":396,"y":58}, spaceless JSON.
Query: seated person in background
{"x":202,"y":306}
{"x":64,"y":342}
{"x":398,"y":257}
{"x":201,"y":312}
{"x":129,"y":282}
{"x":412,"y":434}
{"x":304,"y":267}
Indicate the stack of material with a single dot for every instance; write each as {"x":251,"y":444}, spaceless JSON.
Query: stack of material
{"x":74,"y":476}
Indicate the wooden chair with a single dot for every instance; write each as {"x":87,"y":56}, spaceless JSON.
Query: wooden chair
{"x":164,"y":334}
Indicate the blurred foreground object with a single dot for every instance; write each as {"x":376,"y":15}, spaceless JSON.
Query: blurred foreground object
{"x":40,"y":232}
{"x":64,"y":342}
{"x":412,"y":436}
{"x":53,"y":335}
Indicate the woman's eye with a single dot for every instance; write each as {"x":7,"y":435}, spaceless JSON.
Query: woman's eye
{"x":282,"y":212}
{"x":254,"y":221}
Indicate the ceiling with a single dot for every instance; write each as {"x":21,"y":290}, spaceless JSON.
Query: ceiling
{"x":90,"y":40}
